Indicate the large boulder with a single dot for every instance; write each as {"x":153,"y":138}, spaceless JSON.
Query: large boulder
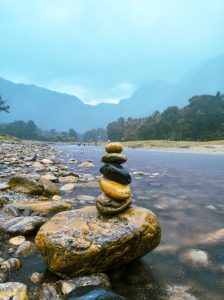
{"x":81,"y":242}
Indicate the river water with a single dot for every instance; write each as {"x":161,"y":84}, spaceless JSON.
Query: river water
{"x":186,"y":192}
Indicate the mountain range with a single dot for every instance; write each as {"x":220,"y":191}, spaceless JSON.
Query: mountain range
{"x":51,"y":109}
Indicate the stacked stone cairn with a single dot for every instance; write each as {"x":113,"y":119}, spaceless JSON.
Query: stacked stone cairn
{"x":114,"y":183}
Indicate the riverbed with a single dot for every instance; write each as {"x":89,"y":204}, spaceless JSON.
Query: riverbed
{"x":185,"y":191}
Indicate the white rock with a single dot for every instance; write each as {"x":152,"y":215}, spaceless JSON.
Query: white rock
{"x":86,"y":164}
{"x":178,"y":292}
{"x":47,"y":161}
{"x":68,"y":187}
{"x":195,"y":257}
{"x":17,"y":240}
{"x":57,"y":198}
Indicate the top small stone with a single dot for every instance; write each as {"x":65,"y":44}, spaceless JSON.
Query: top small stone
{"x":114,"y":147}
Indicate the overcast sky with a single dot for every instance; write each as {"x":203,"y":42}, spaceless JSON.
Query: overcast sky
{"x":102,"y":50}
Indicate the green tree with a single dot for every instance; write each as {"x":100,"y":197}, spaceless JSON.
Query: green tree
{"x":3,"y":105}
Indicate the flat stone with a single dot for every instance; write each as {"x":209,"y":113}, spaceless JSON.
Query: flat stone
{"x":81,"y":242}
{"x":13,"y":290}
{"x":44,"y":206}
{"x":109,"y":206}
{"x":113,"y":147}
{"x":116,"y":172}
{"x":23,"y":225}
{"x":114,"y":189}
{"x":114,"y":158}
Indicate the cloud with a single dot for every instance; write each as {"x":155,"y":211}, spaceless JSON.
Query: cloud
{"x":92,"y":47}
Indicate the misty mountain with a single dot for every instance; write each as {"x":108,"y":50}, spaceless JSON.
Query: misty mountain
{"x":50,"y":109}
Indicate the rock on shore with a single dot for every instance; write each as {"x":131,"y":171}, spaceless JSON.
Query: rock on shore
{"x":80,"y":242}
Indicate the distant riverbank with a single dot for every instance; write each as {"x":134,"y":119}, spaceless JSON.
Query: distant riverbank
{"x":214,"y":147}
{"x":179,"y":146}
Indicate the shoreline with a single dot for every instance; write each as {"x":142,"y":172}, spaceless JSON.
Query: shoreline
{"x":209,"y":149}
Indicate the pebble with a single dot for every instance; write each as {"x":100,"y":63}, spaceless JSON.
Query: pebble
{"x":57,"y":198}
{"x":68,"y":187}
{"x":36,"y":277}
{"x":86,"y":164}
{"x":13,"y":290}
{"x":17,"y":240}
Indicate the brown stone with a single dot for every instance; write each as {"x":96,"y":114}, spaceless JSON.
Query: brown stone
{"x":81,"y":241}
{"x":114,"y":147}
{"x":114,"y":158}
{"x":109,"y":206}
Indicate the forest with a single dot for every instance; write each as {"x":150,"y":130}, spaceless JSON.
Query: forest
{"x":201,"y":120}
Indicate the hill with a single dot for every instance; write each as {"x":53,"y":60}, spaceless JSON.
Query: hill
{"x":51,"y":109}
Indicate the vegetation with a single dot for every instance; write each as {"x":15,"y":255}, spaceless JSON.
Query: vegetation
{"x":170,"y":144}
{"x":95,"y":135}
{"x":30,"y":131}
{"x":201,"y":120}
{"x":3,"y":106}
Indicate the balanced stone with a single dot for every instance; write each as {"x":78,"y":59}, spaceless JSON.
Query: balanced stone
{"x":79,"y":242}
{"x":114,"y":147}
{"x":116,"y":172}
{"x":114,"y":189}
{"x":116,"y":158}
{"x":109,"y":206}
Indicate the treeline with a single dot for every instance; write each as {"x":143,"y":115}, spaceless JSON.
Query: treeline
{"x":30,"y":131}
{"x":202,"y":119}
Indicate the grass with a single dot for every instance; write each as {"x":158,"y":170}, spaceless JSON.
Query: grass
{"x":170,"y":144}
{"x":8,"y":138}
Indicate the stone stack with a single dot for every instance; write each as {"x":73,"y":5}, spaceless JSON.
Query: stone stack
{"x":114,"y":183}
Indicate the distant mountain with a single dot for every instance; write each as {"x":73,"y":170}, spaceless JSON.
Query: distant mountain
{"x":50,"y":109}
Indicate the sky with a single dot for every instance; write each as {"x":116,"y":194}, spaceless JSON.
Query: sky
{"x":103,"y":50}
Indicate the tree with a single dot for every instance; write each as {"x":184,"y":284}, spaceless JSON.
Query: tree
{"x":73,"y":135}
{"x":3,"y":105}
